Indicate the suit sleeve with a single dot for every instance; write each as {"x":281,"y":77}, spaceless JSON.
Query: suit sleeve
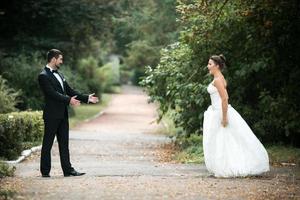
{"x":81,"y":97}
{"x":50,"y":92}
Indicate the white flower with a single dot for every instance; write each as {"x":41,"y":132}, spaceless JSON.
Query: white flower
{"x":10,"y":116}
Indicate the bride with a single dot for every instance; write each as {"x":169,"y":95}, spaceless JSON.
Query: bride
{"x":230,"y":147}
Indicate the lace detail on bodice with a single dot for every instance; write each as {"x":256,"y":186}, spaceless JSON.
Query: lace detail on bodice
{"x":214,"y":96}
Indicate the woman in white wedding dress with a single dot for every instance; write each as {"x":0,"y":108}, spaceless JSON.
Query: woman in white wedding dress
{"x":230,"y":147}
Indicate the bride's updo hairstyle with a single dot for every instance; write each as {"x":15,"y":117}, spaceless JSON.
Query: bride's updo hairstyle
{"x":219,"y":60}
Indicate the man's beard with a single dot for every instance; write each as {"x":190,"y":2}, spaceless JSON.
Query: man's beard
{"x":57,"y":66}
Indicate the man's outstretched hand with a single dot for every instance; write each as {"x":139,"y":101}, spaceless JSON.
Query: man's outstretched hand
{"x":74,"y":101}
{"x":93,"y":99}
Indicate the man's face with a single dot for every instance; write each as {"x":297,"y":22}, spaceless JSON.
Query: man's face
{"x":58,"y":61}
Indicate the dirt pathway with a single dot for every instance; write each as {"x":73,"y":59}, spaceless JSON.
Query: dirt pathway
{"x":118,"y":151}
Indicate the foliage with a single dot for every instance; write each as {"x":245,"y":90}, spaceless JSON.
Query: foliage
{"x":280,"y":154}
{"x":126,"y":74}
{"x":108,"y":76}
{"x":75,"y":79}
{"x":8,"y":97}
{"x":192,"y":154}
{"x":260,"y":39}
{"x":137,"y":60}
{"x":41,"y":25}
{"x":142,"y":29}
{"x":6,"y":170}
{"x":19,"y":130}
{"x":190,"y":149}
{"x":7,"y":194}
{"x":175,"y":86}
{"x":21,"y":71}
{"x":87,"y":68}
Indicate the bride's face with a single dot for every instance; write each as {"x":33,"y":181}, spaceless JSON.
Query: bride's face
{"x":211,"y":66}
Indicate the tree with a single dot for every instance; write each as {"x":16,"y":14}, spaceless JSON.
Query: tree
{"x":143,"y":28}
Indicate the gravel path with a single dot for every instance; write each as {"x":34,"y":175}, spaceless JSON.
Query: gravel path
{"x":119,"y":152}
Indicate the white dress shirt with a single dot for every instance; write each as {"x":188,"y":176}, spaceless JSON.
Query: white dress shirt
{"x":57,"y":76}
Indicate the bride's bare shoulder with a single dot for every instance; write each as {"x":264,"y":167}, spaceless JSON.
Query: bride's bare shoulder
{"x":220,"y":81}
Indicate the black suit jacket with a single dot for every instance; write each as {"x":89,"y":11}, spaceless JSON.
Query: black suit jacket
{"x":56,"y":99}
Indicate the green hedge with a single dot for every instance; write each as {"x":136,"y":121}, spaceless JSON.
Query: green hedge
{"x":18,"y":131}
{"x":6,"y":170}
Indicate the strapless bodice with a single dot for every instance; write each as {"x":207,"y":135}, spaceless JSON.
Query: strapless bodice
{"x":214,"y":96}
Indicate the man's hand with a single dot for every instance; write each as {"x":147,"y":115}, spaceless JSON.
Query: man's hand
{"x":93,"y":99}
{"x":74,"y":101}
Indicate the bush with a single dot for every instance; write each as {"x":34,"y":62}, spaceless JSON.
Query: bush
{"x":108,"y":76}
{"x":87,"y":68}
{"x":174,"y":85}
{"x":8,"y":97}
{"x":6,"y":170}
{"x":21,"y":71}
{"x":75,"y":79}
{"x":18,"y":131}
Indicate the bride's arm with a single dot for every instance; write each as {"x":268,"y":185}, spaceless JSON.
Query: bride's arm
{"x":219,"y":84}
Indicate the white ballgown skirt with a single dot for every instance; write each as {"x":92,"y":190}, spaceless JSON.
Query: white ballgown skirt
{"x":233,"y":150}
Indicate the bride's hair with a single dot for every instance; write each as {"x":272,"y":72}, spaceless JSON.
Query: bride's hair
{"x":219,"y":60}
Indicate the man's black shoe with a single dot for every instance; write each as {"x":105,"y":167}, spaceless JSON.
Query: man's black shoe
{"x":73,"y":173}
{"x":45,"y":175}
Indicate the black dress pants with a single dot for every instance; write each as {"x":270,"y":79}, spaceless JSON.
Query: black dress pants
{"x":60,"y":128}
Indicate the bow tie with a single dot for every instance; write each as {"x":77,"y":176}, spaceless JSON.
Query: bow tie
{"x":54,"y":71}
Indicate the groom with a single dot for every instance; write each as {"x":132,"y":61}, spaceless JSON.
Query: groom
{"x":58,"y":96}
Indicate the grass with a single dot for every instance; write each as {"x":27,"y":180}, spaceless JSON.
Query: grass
{"x":189,"y":150}
{"x":280,"y":154}
{"x":86,"y":111}
{"x":192,"y":154}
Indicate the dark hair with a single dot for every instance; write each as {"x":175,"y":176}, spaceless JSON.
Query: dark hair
{"x":53,"y":53}
{"x":219,"y":60}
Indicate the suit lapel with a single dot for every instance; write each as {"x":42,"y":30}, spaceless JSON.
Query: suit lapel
{"x":56,"y":82}
{"x":63,"y":81}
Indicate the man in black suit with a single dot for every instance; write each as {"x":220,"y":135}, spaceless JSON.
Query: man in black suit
{"x":58,"y":96}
